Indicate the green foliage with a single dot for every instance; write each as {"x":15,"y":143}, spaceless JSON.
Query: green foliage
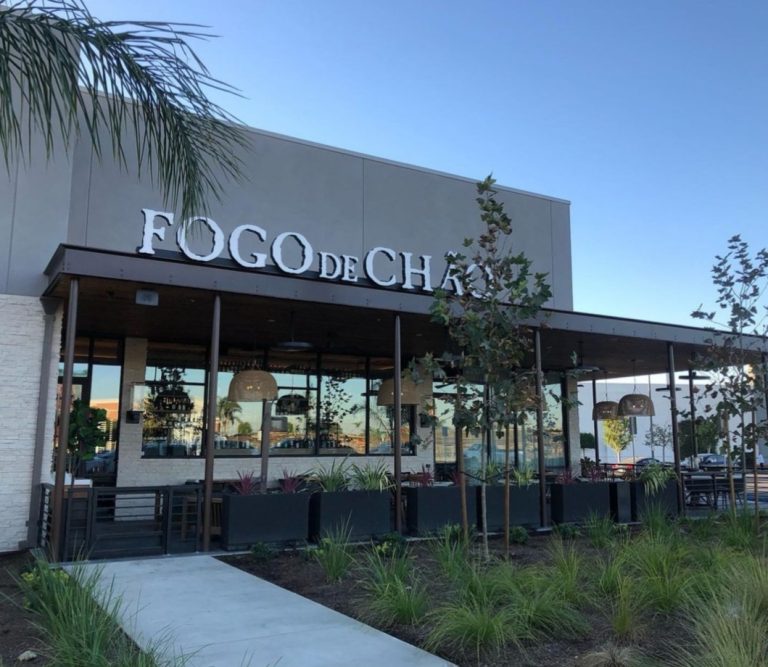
{"x":566,"y":531}
{"x":471,"y":625}
{"x":331,"y":477}
{"x":79,"y":620}
{"x":707,"y":435}
{"x":518,"y":535}
{"x":655,"y":477}
{"x":395,"y":595}
{"x":391,"y":544}
{"x":567,"y":566}
{"x":739,"y":530}
{"x":132,"y":81}
{"x":451,"y":551}
{"x":587,"y":440}
{"x":617,"y":434}
{"x":523,"y":476}
{"x":87,"y":432}
{"x":735,"y":358}
{"x":334,"y":553}
{"x":655,"y":521}
{"x":613,"y":655}
{"x":262,"y":553}
{"x":370,"y":477}
{"x":658,"y":436}
{"x":600,"y":530}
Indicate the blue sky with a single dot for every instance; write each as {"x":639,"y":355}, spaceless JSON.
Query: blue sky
{"x":650,"y":117}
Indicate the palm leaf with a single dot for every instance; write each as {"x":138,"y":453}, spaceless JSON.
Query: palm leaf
{"x":64,"y":73}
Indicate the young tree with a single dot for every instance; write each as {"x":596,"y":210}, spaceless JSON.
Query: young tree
{"x":494,"y":292}
{"x":659,"y":436}
{"x":736,"y":357}
{"x":115,"y":82}
{"x":707,"y":433}
{"x":227,"y":413}
{"x":587,"y":440}
{"x":617,"y":435}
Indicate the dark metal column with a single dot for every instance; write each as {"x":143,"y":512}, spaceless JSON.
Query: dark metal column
{"x":594,"y":422}
{"x":57,"y":535}
{"x":675,"y":435}
{"x":540,"y":430}
{"x":210,"y":421}
{"x":396,"y":440}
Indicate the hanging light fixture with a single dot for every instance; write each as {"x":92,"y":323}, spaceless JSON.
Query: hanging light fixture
{"x":293,"y":345}
{"x":252,"y":385}
{"x":605,"y":409}
{"x":410,"y":392}
{"x":634,"y":404}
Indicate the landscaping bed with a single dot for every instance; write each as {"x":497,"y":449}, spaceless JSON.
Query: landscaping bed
{"x":17,"y":633}
{"x":602,"y":588}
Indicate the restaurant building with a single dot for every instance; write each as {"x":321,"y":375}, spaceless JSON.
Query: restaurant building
{"x":310,"y":268}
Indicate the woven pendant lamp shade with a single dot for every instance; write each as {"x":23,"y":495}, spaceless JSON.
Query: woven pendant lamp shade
{"x":252,"y":386}
{"x":410,"y":392}
{"x":605,"y":410}
{"x":636,"y":405}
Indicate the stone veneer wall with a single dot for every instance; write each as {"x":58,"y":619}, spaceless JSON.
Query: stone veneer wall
{"x":135,"y":471}
{"x":22,"y":338}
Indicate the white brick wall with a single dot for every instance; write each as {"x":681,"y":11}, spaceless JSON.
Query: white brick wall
{"x":22,"y":332}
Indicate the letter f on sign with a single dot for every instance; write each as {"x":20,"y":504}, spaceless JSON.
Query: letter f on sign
{"x":150,"y":231}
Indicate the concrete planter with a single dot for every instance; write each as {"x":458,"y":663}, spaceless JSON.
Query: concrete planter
{"x":573,"y":503}
{"x":367,"y":514}
{"x":523,"y":506}
{"x":430,"y":508}
{"x":270,"y":517}
{"x":666,"y":497}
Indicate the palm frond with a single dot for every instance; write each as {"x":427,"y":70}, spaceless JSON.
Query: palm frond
{"x":64,"y":73}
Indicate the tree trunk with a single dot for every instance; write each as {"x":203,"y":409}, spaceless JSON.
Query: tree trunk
{"x":506,"y":491}
{"x":462,"y":482}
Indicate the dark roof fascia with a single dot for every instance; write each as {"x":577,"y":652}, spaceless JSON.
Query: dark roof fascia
{"x":109,"y":264}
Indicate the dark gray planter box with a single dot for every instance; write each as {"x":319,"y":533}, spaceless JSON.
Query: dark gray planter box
{"x":575,"y":502}
{"x":621,"y":502}
{"x":269,"y":517}
{"x":523,"y":506}
{"x":666,"y":497}
{"x":366,"y":513}
{"x":430,"y":508}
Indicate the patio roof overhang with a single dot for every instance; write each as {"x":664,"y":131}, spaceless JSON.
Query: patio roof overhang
{"x":258,"y":307}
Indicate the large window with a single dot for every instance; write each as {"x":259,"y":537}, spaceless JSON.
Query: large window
{"x":326,"y":405}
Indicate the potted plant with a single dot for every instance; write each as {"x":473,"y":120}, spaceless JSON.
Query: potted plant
{"x":357,"y":497}
{"x":249,"y":517}
{"x":430,"y":508}
{"x":573,"y":500}
{"x":523,"y":499}
{"x":656,"y":484}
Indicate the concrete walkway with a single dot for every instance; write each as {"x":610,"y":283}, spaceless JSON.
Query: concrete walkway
{"x":223,"y":617}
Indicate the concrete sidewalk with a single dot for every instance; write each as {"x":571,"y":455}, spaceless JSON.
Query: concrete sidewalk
{"x":224,"y":617}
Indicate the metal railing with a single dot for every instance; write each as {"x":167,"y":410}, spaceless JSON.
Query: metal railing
{"x":116,"y":522}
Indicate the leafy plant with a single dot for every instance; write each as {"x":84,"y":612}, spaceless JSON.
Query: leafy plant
{"x":566,"y":531}
{"x":370,"y":477}
{"x":613,"y":655}
{"x":599,"y":529}
{"x":392,"y":544}
{"x":523,"y":476}
{"x":262,"y":552}
{"x":565,"y":477}
{"x":246,"y":484}
{"x":425,"y":477}
{"x":334,"y":552}
{"x":518,"y":535}
{"x":451,"y":551}
{"x":655,"y":478}
{"x":395,"y":595}
{"x":80,"y":619}
{"x":617,"y":434}
{"x":331,"y":478}
{"x":291,"y":482}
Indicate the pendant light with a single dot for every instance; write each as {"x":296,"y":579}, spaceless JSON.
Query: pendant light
{"x":252,"y":385}
{"x":634,"y":404}
{"x":410,"y":392}
{"x":605,"y":409}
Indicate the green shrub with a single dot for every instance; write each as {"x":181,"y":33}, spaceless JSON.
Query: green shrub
{"x":738,"y":530}
{"x":451,"y":551}
{"x":392,"y":544}
{"x":471,"y":625}
{"x":566,"y":531}
{"x":262,"y":552}
{"x":370,"y":477}
{"x":398,"y":601}
{"x":334,"y":553}
{"x":600,"y":530}
{"x":79,"y":620}
{"x":518,"y":535}
{"x":566,"y":569}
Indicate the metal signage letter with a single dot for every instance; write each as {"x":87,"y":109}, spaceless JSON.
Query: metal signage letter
{"x":306,"y":253}
{"x":150,"y":231}
{"x":368,"y":266}
{"x":260,"y":259}
{"x":218,"y":239}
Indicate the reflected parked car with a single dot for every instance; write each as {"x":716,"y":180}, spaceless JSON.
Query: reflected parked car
{"x":101,"y":462}
{"x":713,"y":462}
